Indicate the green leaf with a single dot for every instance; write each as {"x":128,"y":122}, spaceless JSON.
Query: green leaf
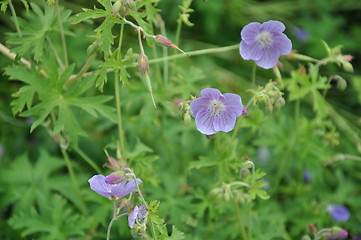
{"x":4,"y":5}
{"x":106,"y":37}
{"x":101,"y":78}
{"x":89,"y":13}
{"x":176,"y":234}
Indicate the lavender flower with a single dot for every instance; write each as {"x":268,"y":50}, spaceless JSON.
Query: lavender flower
{"x":138,"y":214}
{"x":215,"y":111}
{"x":338,"y":212}
{"x":112,"y":191}
{"x":264,"y":43}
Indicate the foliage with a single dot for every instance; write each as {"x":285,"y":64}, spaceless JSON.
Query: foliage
{"x":75,"y":90}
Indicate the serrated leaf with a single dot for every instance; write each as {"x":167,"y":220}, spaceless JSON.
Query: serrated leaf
{"x":26,"y":5}
{"x":101,"y":79}
{"x":4,"y":5}
{"x":106,"y":37}
{"x":89,"y":13}
{"x":176,"y":234}
{"x":23,"y":97}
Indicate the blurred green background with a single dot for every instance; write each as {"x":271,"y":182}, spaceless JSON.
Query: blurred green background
{"x":165,"y":153}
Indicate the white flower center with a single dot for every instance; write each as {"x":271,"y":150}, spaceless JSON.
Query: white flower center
{"x":264,"y":39}
{"x":216,"y":107}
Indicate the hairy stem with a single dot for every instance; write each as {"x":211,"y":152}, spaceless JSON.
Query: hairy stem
{"x":12,"y":9}
{"x":117,"y":99}
{"x":165,"y":55}
{"x":63,"y":41}
{"x":113,"y":219}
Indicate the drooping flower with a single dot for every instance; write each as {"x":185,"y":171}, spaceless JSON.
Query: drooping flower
{"x":112,"y":191}
{"x":138,"y":214}
{"x":264,"y":43}
{"x":215,"y":111}
{"x":338,"y":212}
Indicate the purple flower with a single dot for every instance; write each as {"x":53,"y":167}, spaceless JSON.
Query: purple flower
{"x":138,"y":214}
{"x":112,"y":191}
{"x":338,"y":212}
{"x":307,"y":176}
{"x":264,"y":43}
{"x":215,"y":111}
{"x":334,"y":233}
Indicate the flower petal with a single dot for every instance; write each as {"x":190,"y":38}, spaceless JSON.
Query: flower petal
{"x":233,"y":103}
{"x":199,"y":104}
{"x":269,"y":58}
{"x":252,"y":51}
{"x":224,"y":122}
{"x":204,"y":122}
{"x":98,"y":184}
{"x":283,"y":43}
{"x":132,"y":216}
{"x":122,"y":189}
{"x":212,"y":93}
{"x":273,"y":26}
{"x":250,"y":31}
{"x":338,"y":212}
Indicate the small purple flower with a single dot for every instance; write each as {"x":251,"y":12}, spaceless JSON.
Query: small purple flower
{"x":307,"y":176}
{"x":215,"y":111}
{"x":300,"y":34}
{"x":112,"y":191}
{"x":264,"y":43}
{"x":335,"y":233}
{"x":338,"y":212}
{"x":138,"y":213}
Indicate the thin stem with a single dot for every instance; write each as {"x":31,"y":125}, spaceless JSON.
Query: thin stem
{"x":82,"y":70}
{"x":254,"y":68}
{"x":326,"y":89}
{"x":178,"y":32}
{"x":63,"y":41}
{"x":137,"y":28}
{"x":343,"y":157}
{"x":249,"y":213}
{"x":165,"y":55}
{"x":55,"y":53}
{"x":117,"y":99}
{"x":240,"y":221}
{"x":238,"y":124}
{"x":113,"y":219}
{"x":12,"y":9}
{"x":87,"y":159}
{"x":72,"y":176}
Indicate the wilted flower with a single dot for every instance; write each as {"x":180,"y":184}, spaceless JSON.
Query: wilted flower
{"x":264,"y":43}
{"x":338,"y":212}
{"x":215,"y":111}
{"x":138,"y":214}
{"x":112,"y":191}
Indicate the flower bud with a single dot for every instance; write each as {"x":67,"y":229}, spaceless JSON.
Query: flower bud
{"x":245,"y":172}
{"x":143,"y":64}
{"x":347,"y":66}
{"x":312,"y":228}
{"x":114,"y":178}
{"x":341,"y":83}
{"x":244,"y":110}
{"x":161,"y":40}
{"x":187,"y":118}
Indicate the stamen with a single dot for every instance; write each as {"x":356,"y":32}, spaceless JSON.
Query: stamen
{"x":216,"y":107}
{"x":264,"y":39}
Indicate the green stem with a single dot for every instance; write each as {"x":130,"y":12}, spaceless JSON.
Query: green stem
{"x":249,"y":213}
{"x":73,"y":178}
{"x":165,"y":55}
{"x":55,"y":53}
{"x":326,"y":89}
{"x":63,"y":41}
{"x":240,"y":221}
{"x":178,"y":32}
{"x":254,"y":68}
{"x":82,"y":70}
{"x":87,"y":159}
{"x":113,"y":219}
{"x":238,"y":124}
{"x":12,"y":9}
{"x":117,"y":98}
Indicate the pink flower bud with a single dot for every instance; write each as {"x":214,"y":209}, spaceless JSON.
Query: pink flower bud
{"x":161,"y":40}
{"x":143,"y":64}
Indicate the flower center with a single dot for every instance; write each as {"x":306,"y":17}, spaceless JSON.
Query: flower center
{"x":216,"y":107}
{"x":264,"y":39}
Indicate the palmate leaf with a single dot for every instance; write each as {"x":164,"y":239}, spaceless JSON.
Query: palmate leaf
{"x":89,"y":14}
{"x":57,"y":101}
{"x":56,"y":221}
{"x":38,"y":25}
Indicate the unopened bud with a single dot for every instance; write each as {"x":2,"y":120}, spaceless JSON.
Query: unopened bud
{"x":244,"y":110}
{"x":245,"y":172}
{"x":341,"y":83}
{"x":162,"y":40}
{"x":338,"y":233}
{"x":269,"y":107}
{"x":347,"y":66}
{"x":312,"y":228}
{"x":143,"y":64}
{"x":114,"y":177}
{"x":116,"y":7}
{"x":187,"y":118}
{"x":348,"y":58}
